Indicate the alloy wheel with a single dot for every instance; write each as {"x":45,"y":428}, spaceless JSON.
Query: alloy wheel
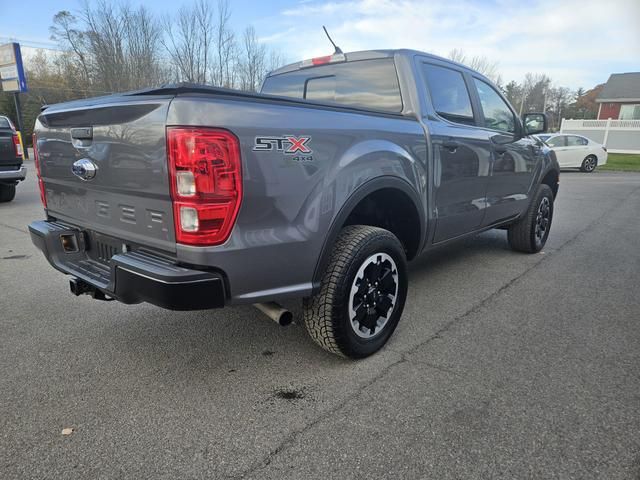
{"x":373,"y":295}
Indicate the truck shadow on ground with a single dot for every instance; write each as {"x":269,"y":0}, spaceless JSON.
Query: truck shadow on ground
{"x":232,"y":339}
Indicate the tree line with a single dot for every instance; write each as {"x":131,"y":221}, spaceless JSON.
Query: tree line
{"x":536,"y":92}
{"x":109,"y":47}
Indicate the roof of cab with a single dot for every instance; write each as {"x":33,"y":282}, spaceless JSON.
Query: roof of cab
{"x":370,"y":55}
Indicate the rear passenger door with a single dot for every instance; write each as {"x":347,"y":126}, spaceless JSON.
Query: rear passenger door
{"x":514,"y":160}
{"x":461,"y":151}
{"x":577,"y":149}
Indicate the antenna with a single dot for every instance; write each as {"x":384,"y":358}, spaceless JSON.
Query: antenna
{"x":338,"y":49}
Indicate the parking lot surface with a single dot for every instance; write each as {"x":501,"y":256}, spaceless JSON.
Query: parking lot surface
{"x":504,"y":365}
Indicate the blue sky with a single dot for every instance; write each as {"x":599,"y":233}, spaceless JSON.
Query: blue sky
{"x":576,"y":42}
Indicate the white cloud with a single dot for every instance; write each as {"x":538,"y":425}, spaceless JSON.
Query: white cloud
{"x":578,"y":43}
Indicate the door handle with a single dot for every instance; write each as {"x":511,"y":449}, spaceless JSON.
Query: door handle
{"x":83,"y":133}
{"x":450,"y":145}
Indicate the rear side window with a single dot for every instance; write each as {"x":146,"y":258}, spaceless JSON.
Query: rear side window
{"x":497,"y":114}
{"x":573,"y":141}
{"x":369,"y":84}
{"x":4,"y":123}
{"x":449,"y":93}
{"x":558,"y":141}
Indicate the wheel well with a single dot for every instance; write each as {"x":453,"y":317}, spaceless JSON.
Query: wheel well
{"x":393,"y":210}
{"x":552,"y":178}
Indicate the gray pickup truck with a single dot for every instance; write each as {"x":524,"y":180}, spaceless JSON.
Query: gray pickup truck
{"x":12,"y":170}
{"x":321,"y":187}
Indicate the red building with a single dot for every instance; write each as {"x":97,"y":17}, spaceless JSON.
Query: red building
{"x":620,"y":97}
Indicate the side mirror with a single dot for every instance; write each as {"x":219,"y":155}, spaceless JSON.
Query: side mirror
{"x":534,"y":123}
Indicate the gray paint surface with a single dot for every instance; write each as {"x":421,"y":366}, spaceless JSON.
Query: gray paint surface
{"x":289,"y":208}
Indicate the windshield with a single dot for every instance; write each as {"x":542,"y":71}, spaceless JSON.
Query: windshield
{"x":369,"y":84}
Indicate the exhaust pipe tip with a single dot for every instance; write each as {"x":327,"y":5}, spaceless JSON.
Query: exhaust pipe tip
{"x":276,"y":312}
{"x":286,"y":318}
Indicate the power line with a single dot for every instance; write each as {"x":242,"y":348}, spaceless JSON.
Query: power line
{"x":33,"y":43}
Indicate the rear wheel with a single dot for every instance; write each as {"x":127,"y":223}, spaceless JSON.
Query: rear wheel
{"x":589,"y":164}
{"x":530,"y":233}
{"x":362,"y":293}
{"x":7,"y":192}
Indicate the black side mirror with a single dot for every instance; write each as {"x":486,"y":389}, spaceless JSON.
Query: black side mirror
{"x":534,"y":123}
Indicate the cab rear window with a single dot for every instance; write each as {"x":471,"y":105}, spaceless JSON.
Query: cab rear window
{"x":368,"y":84}
{"x":4,"y":123}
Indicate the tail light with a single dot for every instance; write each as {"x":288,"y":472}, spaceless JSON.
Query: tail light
{"x":206,"y":183}
{"x":36,"y":161}
{"x":17,"y":145}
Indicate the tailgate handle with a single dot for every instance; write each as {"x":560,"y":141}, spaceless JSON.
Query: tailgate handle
{"x":82,"y":133}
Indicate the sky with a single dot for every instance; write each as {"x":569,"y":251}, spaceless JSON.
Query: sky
{"x":578,"y":43}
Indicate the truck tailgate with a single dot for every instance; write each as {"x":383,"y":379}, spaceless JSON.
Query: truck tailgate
{"x":124,"y":140}
{"x":7,"y":150}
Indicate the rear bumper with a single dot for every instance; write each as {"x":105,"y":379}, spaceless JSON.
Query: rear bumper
{"x":131,"y":277}
{"x":17,"y":175}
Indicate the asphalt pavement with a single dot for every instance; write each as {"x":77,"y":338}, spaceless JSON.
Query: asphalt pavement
{"x":504,"y":365}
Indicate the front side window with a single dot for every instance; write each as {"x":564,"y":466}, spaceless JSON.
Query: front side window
{"x":497,"y":114}
{"x":449,"y":93}
{"x":556,"y":141}
{"x":573,"y":141}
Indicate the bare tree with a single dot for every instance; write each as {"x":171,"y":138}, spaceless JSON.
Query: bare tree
{"x":188,"y":41}
{"x":223,"y":73}
{"x":143,"y":34}
{"x":253,"y":61}
{"x":534,"y":92}
{"x":115,"y":47}
{"x":480,"y":63}
{"x":64,"y":32}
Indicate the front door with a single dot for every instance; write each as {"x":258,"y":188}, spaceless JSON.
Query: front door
{"x":563,"y":153}
{"x":461,"y":153}
{"x":513,"y":161}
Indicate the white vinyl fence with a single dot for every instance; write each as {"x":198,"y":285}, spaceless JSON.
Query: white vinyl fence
{"x":619,"y":136}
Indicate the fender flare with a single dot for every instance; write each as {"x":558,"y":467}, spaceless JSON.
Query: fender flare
{"x":367,"y":188}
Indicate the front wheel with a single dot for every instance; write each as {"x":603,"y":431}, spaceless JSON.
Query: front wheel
{"x":589,"y":164}
{"x":362,"y":293}
{"x":530,"y":233}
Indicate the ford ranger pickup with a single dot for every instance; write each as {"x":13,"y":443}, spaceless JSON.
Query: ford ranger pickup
{"x":321,"y":187}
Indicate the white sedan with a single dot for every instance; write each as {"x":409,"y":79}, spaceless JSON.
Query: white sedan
{"x":576,"y":151}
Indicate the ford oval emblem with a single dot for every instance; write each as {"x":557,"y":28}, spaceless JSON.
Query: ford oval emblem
{"x":84,"y":169}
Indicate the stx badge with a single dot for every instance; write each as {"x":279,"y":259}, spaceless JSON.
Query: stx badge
{"x":287,"y":144}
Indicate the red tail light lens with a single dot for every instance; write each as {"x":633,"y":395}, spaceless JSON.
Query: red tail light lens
{"x":206,"y":183}
{"x":321,"y":60}
{"x":17,"y":145}
{"x":36,"y":161}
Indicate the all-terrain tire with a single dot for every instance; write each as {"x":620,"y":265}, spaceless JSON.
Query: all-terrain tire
{"x":526,"y":234}
{"x":327,"y":314}
{"x":7,"y":193}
